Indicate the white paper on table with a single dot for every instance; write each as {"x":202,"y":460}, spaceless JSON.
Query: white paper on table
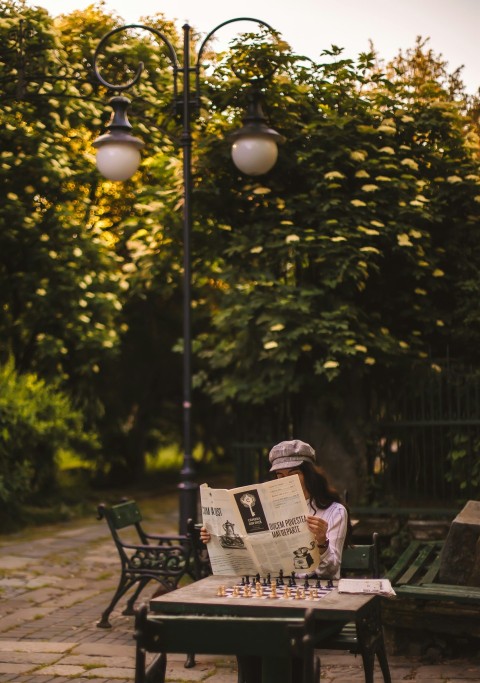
{"x":376,"y":586}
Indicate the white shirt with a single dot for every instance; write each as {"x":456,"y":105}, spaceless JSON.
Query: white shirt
{"x":336,"y":517}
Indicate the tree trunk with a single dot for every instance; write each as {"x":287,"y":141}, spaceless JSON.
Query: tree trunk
{"x":337,"y":433}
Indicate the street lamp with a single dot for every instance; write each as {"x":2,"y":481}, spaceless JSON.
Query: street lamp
{"x":254,"y":152}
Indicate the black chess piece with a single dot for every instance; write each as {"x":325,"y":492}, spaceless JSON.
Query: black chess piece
{"x":305,"y":583}
{"x":280,"y":578}
{"x":330,"y":583}
{"x":318,"y":583}
{"x":243,"y":581}
{"x":292,"y":576}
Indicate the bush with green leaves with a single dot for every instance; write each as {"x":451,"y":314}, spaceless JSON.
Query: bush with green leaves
{"x":36,"y":421}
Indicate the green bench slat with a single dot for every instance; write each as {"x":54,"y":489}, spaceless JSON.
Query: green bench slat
{"x":417,"y":565}
{"x":441,"y":591}
{"x":432,"y":573}
{"x":125,"y":514}
{"x":403,"y":562}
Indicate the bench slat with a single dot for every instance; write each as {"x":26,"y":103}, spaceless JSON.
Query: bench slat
{"x":432,"y":572}
{"x":125,"y":514}
{"x":403,"y":562}
{"x":440,"y":591}
{"x":417,"y":565}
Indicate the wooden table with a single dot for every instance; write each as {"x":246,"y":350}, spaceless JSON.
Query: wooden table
{"x":194,"y":619}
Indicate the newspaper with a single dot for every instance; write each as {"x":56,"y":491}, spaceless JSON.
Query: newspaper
{"x":259,"y":529}
{"x":377,"y":586}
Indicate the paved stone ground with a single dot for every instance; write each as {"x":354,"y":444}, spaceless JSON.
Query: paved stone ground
{"x":55,"y":582}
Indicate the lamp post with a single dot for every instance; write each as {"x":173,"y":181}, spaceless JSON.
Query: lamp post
{"x":254,"y":152}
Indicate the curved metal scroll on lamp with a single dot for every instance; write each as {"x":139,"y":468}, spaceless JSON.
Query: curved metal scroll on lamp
{"x":254,"y":146}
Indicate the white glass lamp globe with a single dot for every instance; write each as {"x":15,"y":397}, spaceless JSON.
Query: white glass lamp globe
{"x":254,"y":154}
{"x":118,"y":160}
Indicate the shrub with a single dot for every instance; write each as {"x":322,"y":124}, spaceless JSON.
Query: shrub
{"x":36,"y":420}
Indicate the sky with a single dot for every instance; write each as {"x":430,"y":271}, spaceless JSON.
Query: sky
{"x":311,"y":26}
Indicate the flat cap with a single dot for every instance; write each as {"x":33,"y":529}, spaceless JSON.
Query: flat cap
{"x":288,"y":454}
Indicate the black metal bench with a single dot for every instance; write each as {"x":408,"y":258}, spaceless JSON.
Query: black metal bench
{"x":167,"y":559}
{"x":425,"y":605}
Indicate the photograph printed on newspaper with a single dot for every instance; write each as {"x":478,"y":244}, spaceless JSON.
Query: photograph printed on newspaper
{"x":259,"y":529}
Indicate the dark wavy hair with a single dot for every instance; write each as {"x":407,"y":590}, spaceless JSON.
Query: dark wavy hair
{"x":322,"y":492}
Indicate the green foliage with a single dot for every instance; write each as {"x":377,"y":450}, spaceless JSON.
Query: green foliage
{"x":36,"y":421}
{"x":60,"y":290}
{"x":347,"y":260}
{"x":464,"y":470}
{"x":79,"y":257}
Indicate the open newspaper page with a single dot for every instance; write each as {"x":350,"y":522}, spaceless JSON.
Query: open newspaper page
{"x":259,"y":528}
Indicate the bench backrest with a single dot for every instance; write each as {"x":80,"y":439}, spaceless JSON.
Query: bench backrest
{"x":361,"y":560}
{"x":169,"y":554}
{"x":418,"y":564}
{"x":124,"y":514}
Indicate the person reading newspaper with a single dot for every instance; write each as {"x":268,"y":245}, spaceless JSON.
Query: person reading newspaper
{"x":328,"y":521}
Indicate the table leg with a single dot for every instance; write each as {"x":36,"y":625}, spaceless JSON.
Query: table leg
{"x":276,"y":670}
{"x":139,"y":665}
{"x":368,"y":633}
{"x":155,"y":672}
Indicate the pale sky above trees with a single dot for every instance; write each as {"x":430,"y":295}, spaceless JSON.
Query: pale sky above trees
{"x":313,"y":25}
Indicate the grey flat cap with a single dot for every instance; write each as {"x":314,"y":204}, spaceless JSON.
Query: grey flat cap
{"x":288,"y":454}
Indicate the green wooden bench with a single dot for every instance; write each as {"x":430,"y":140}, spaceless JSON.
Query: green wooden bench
{"x":425,"y":605}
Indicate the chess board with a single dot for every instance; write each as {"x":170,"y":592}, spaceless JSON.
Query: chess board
{"x":277,"y":588}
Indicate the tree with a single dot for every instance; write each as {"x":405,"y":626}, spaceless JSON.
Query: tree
{"x":59,"y":278}
{"x":335,"y":272}
{"x":93,"y":269}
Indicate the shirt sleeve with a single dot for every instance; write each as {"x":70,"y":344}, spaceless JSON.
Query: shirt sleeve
{"x":331,"y":559}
